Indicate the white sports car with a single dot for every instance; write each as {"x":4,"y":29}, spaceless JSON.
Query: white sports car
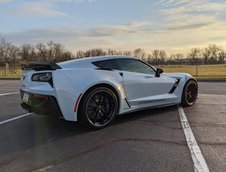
{"x":94,"y":90}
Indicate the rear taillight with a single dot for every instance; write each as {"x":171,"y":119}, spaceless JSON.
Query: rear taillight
{"x":43,"y":77}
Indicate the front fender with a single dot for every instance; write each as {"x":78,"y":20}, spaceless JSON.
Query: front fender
{"x":182,"y":76}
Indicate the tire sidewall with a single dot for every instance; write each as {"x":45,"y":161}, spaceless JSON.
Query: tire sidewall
{"x":184,"y":101}
{"x":83,"y":116}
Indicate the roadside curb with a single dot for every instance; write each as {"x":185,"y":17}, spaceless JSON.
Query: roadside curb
{"x":9,"y":78}
{"x":212,"y":80}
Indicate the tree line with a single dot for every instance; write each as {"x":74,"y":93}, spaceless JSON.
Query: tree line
{"x":56,"y":52}
{"x":212,"y":54}
{"x":50,"y":52}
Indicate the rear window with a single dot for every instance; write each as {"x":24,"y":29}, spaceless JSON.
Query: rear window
{"x":107,"y":64}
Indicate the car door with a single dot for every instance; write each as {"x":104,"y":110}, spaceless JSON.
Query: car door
{"x":141,"y":85}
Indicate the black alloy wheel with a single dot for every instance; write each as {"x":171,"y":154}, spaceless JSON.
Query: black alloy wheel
{"x":190,"y":93}
{"x":98,"y":108}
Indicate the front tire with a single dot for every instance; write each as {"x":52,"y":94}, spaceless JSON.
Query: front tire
{"x":190,"y":93}
{"x":98,"y":108}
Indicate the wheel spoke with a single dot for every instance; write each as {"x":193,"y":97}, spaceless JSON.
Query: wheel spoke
{"x":105,"y":114}
{"x":101,"y":108}
{"x":102,"y":118}
{"x":190,"y":99}
{"x":94,"y":119}
{"x":101,"y":99}
{"x":93,"y":105}
{"x":93,"y":114}
{"x":93,"y":102}
{"x":191,"y":93}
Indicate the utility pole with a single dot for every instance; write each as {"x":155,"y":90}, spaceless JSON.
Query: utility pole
{"x":6,"y":68}
{"x":196,"y":64}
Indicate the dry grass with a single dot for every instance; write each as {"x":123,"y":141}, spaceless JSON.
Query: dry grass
{"x":204,"y":71}
{"x":11,"y":73}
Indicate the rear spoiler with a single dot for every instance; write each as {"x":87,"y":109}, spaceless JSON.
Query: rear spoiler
{"x":39,"y":66}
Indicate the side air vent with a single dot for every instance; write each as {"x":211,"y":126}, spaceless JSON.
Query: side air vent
{"x":174,"y":86}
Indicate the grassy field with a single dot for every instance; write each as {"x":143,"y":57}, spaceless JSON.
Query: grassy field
{"x":204,"y":71}
{"x":11,"y":73}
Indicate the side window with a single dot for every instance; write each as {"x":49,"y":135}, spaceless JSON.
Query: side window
{"x":133,"y":65}
{"x":107,"y":64}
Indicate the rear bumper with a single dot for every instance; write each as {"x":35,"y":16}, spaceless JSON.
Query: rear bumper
{"x":41,"y":104}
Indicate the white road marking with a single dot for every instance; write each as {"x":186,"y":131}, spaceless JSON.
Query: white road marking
{"x":44,"y":168}
{"x":15,"y":118}
{"x":7,"y":94}
{"x":196,"y":154}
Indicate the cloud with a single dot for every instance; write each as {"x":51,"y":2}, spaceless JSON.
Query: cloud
{"x":81,"y":38}
{"x":68,"y":1}
{"x":173,"y":30}
{"x":5,"y":1}
{"x":77,"y":33}
{"x":42,"y":7}
{"x":196,"y":7}
{"x":190,"y":23}
{"x":191,"y":6}
{"x":73,"y":38}
{"x":130,"y":35}
{"x":118,"y":30}
{"x":37,"y":9}
{"x":174,"y":2}
{"x":169,"y":36}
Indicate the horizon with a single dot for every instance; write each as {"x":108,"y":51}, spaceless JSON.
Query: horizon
{"x":172,"y":25}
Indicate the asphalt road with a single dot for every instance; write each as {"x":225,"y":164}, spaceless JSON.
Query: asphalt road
{"x":151,"y":140}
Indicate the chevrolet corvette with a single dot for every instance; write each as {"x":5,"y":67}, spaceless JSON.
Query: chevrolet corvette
{"x":94,"y":90}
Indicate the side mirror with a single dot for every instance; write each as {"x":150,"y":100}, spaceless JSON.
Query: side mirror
{"x":158,"y":72}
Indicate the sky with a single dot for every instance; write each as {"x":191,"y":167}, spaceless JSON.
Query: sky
{"x":173,"y":25}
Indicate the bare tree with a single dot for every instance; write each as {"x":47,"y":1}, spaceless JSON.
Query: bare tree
{"x":54,"y":52}
{"x":127,"y":53}
{"x":111,"y":52}
{"x":139,"y":53}
{"x":57,"y":52}
{"x":221,"y":56}
{"x":42,"y":51}
{"x":8,"y":52}
{"x":150,"y":59}
{"x":155,"y":55}
{"x":13,"y":54}
{"x":214,"y":49}
{"x":80,"y":54}
{"x":95,"y":52}
{"x":194,"y":54}
{"x":206,"y":55}
{"x":162,"y":56}
{"x":210,"y":54}
{"x":27,"y":53}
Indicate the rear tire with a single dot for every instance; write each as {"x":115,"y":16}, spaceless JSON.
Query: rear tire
{"x":190,"y":93}
{"x":98,"y":108}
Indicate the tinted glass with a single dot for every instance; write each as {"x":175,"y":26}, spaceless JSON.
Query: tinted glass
{"x":133,"y":65}
{"x":130,"y":65}
{"x":107,"y":64}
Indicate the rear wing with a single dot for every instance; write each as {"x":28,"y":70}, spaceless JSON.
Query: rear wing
{"x":39,"y":66}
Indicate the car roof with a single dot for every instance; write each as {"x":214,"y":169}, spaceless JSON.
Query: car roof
{"x":87,"y":62}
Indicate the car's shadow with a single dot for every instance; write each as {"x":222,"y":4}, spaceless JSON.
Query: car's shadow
{"x":39,"y":130}
{"x":74,"y":128}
